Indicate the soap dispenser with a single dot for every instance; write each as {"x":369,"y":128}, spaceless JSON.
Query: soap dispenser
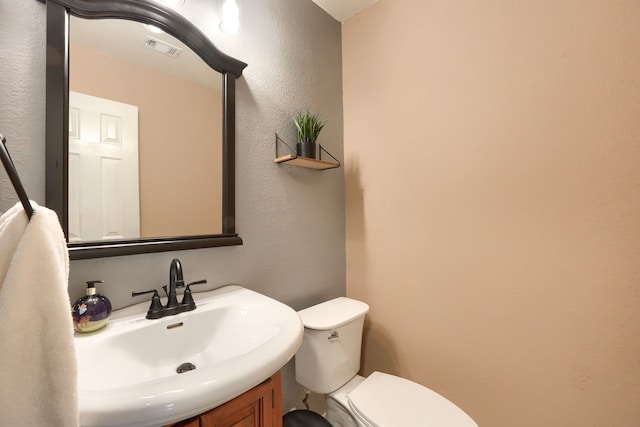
{"x":92,"y":311}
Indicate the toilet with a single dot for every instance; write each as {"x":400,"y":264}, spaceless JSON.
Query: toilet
{"x":327,"y":363}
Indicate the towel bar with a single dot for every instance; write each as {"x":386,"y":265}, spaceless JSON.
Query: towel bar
{"x":13,"y":176}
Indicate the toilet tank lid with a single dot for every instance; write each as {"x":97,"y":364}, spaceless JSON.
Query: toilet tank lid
{"x":333,"y":313}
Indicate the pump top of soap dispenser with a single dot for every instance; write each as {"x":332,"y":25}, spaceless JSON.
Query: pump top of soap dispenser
{"x":92,"y":311}
{"x":91,"y":286}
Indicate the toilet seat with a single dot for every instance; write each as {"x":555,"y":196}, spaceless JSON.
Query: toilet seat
{"x":384,"y":400}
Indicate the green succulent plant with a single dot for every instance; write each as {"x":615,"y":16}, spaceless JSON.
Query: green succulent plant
{"x":308,"y":125}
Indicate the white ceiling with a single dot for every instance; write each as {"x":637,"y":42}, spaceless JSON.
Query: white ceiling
{"x":342,"y":10}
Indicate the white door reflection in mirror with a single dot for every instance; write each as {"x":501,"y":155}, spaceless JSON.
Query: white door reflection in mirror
{"x":103,"y":169}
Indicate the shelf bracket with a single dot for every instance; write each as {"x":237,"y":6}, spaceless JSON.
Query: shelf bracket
{"x":278,"y":139}
{"x":330,"y":155}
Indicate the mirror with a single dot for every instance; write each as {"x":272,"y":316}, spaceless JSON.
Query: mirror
{"x":113,"y":84}
{"x":145,"y":134}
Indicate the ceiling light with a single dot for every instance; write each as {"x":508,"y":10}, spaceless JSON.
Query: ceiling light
{"x":230,"y":18}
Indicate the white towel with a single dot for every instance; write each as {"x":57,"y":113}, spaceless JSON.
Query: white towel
{"x":38,"y":377}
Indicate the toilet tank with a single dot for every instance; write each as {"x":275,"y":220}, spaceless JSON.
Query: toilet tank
{"x":329,"y":355}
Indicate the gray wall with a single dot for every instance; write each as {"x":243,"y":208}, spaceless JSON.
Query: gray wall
{"x":291,"y":219}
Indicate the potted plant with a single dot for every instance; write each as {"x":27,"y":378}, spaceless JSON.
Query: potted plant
{"x":309,"y":126}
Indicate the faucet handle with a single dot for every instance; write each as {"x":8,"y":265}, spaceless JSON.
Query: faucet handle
{"x":155,"y":309}
{"x":187,"y":299}
{"x":198,"y":282}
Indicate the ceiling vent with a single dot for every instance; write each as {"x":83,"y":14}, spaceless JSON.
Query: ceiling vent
{"x":162,"y":47}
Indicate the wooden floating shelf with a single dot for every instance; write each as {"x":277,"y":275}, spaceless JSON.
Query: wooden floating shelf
{"x":306,"y":162}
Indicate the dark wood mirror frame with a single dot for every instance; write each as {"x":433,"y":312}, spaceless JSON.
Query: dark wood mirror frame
{"x":57,"y":118}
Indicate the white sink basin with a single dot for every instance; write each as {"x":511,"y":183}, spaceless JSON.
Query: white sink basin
{"x":236,"y":338}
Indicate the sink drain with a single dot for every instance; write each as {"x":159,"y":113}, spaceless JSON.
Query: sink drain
{"x":185,"y":367}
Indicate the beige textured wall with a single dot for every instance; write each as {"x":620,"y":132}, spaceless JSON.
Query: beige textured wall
{"x":493,"y":203}
{"x":194,"y":115}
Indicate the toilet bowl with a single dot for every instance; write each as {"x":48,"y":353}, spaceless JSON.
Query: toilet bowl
{"x":327,"y":363}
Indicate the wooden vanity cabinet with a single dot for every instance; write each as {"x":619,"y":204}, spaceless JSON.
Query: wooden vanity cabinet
{"x":191,"y":422}
{"x":259,"y":407}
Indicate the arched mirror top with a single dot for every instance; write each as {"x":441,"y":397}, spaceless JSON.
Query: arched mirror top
{"x":165,"y":18}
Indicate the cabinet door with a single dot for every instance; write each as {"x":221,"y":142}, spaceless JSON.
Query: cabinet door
{"x":259,"y":407}
{"x":191,"y":422}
